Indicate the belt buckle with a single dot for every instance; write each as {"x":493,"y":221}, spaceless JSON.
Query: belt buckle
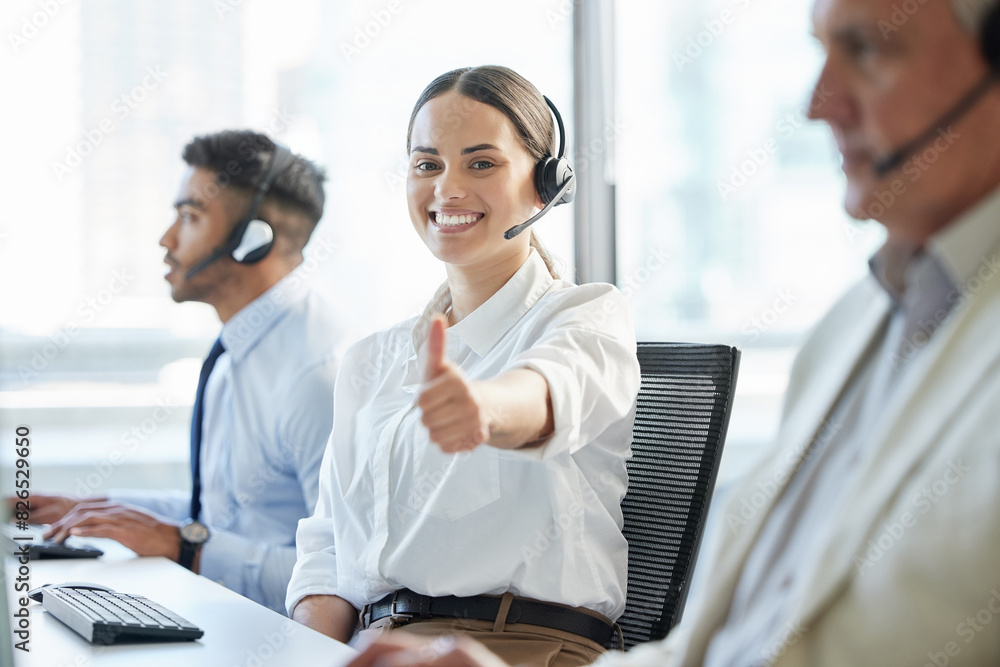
{"x":397,"y":615}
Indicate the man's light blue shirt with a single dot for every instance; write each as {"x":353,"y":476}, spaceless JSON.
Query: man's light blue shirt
{"x":268,"y":416}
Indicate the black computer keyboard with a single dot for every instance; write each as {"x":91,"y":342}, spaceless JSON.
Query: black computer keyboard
{"x":102,"y":616}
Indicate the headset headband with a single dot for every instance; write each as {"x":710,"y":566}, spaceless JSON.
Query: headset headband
{"x":279,"y":161}
{"x":562,"y":130}
{"x":281,"y":158}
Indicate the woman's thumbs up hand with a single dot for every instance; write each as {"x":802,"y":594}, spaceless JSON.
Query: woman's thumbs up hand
{"x":453,"y":408}
{"x":437,"y":339}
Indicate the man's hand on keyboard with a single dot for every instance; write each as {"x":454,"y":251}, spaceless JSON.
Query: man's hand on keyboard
{"x":140,"y":531}
{"x":45,"y":508}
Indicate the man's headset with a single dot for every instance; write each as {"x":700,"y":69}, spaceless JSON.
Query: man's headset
{"x":990,"y":38}
{"x":989,"y":42}
{"x":251,"y":238}
{"x":554,"y":179}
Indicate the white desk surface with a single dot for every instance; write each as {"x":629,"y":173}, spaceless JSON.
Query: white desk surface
{"x":238,"y":632}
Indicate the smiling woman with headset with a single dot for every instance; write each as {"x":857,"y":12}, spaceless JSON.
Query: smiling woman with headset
{"x":474,"y":473}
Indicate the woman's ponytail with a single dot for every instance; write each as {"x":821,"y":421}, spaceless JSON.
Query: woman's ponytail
{"x":550,"y":262}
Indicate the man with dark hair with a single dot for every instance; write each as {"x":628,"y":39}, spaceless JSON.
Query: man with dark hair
{"x":263,"y":410}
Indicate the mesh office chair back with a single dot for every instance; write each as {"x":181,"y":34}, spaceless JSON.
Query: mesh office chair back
{"x":680,"y":428}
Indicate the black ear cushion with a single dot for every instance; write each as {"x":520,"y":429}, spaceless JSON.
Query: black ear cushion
{"x":258,"y":254}
{"x":551,"y":174}
{"x":991,"y":39}
{"x":541,"y":183}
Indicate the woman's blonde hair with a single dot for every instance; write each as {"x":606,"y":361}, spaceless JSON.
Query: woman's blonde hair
{"x":516,"y":98}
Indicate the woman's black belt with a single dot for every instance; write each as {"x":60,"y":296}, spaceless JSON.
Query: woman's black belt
{"x":407,"y":605}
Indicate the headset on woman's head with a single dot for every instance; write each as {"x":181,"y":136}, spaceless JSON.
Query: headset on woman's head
{"x":554,"y":179}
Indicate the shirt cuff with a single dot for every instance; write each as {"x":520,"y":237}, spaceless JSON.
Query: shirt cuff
{"x":314,"y":574}
{"x":172,"y":505}
{"x":566,"y":406}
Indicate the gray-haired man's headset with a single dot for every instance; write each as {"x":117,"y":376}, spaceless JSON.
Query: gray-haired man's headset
{"x":251,"y":238}
{"x":989,"y":42}
{"x":554,"y":179}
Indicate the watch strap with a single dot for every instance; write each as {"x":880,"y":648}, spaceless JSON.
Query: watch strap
{"x":188,"y":552}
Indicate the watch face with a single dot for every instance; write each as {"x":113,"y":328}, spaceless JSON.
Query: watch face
{"x":194,"y":532}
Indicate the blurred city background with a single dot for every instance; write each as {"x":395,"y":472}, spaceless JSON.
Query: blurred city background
{"x":728,"y":216}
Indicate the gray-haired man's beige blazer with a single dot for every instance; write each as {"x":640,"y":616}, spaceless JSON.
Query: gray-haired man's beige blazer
{"x":910,"y":572}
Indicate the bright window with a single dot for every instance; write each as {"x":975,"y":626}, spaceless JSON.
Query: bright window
{"x":729,"y":217}
{"x":96,"y":357}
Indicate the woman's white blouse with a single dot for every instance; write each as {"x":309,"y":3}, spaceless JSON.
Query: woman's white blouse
{"x":395,"y":512}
